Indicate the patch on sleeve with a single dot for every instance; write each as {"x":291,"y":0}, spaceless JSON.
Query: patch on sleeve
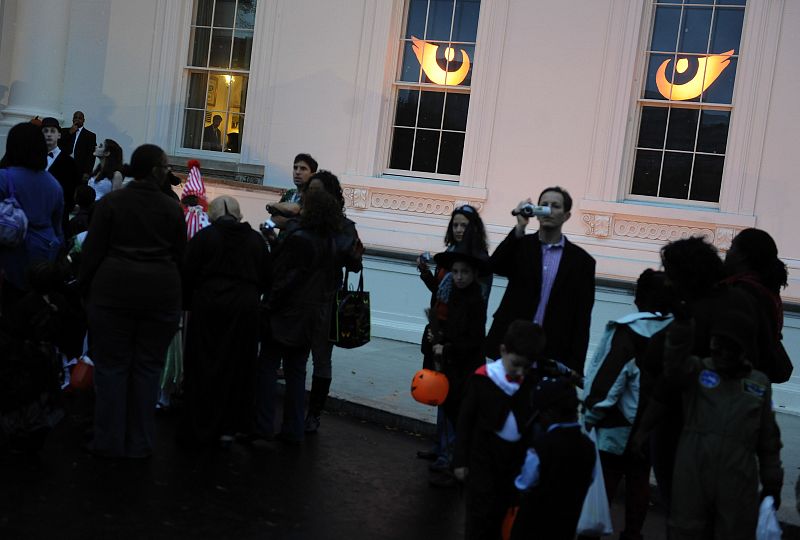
{"x":752,"y":387}
{"x":708,"y":379}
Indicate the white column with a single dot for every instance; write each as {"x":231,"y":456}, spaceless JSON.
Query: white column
{"x":41,"y":30}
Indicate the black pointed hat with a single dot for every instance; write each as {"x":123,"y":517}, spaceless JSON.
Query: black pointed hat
{"x":467,"y":251}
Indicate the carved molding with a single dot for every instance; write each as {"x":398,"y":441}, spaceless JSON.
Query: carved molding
{"x":600,"y":225}
{"x":364,"y":198}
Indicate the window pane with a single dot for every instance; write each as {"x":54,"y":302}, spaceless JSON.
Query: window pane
{"x":707,"y":178}
{"x":702,"y":2}
{"x":214,"y":130}
{"x":656,"y":60}
{"x":713,"y":134}
{"x":198,"y":55}
{"x":401,"y":149}
{"x":217,"y":97}
{"x":727,"y":30}
{"x":410,"y":69}
{"x":238,"y":89}
{"x":695,"y":28}
{"x":456,"y":107}
{"x":417,"y":11}
{"x":192,"y":129}
{"x":440,"y":15}
{"x":653,"y":127}
{"x":457,"y":64}
{"x":431,"y":106}
{"x":425,"y":149}
{"x":465,"y":23}
{"x":645,"y":173}
{"x":732,"y":2}
{"x":224,"y":13}
{"x":665,"y":28}
{"x":675,"y":175}
{"x":197,"y":90}
{"x":721,"y":90}
{"x":246,"y":14}
{"x":450,"y":153}
{"x":406,"y":114}
{"x":455,"y":72}
{"x":235,"y":128}
{"x":202,"y":12}
{"x":220,"y":48}
{"x":682,"y":129}
{"x":242,"y":48}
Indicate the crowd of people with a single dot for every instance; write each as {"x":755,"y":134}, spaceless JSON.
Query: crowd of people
{"x":175,"y":297}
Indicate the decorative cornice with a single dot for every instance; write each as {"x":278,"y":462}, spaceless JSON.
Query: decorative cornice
{"x":622,"y":227}
{"x":361,"y":198}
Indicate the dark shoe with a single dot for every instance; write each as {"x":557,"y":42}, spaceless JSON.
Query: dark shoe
{"x":428,"y":455}
{"x":225,"y":442}
{"x":250,"y":438}
{"x":289,"y":439}
{"x":312,"y":424}
{"x":444,"y":479}
{"x":440,"y":465}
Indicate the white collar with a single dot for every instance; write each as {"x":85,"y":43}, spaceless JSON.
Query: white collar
{"x":497,"y":373}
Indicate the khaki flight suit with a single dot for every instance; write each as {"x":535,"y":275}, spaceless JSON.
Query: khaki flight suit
{"x":729,"y":438}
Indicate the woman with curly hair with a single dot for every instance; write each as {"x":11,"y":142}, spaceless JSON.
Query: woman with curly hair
{"x":304,"y":281}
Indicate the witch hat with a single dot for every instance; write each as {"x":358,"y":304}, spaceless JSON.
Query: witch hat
{"x":467,"y":251}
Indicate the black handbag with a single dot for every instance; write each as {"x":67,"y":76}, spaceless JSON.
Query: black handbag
{"x":350,"y":316}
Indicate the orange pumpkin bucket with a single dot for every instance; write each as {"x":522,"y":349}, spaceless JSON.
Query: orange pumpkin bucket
{"x":429,"y":387}
{"x":82,"y":375}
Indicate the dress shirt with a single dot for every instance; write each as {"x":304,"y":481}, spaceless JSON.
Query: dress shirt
{"x":51,"y":156}
{"x":551,"y":259}
{"x":75,"y":140}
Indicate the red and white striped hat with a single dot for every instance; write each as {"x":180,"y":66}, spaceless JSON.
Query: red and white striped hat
{"x":194,"y":182}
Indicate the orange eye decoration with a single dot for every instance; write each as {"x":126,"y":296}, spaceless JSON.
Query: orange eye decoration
{"x":709,"y":68}
{"x":426,"y":54}
{"x":429,"y":387}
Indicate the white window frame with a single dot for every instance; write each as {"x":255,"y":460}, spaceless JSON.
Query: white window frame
{"x":616,"y":122}
{"x":374,"y":111}
{"x":642,"y":102}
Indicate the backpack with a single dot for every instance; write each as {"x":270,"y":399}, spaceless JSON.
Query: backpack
{"x":13,"y":221}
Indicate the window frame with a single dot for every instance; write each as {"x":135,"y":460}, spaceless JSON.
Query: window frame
{"x":639,"y":102}
{"x":185,"y":75}
{"x":396,"y":85}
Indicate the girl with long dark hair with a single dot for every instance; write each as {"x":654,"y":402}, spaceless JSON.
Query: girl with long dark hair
{"x":107,"y":176}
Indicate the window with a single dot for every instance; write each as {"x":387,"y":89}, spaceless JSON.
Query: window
{"x":431,"y":89}
{"x":217,"y":69}
{"x":687,"y":99}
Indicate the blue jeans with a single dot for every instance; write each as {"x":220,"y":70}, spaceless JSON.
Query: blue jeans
{"x":294,"y":371}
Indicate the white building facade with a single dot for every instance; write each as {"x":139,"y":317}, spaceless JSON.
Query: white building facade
{"x":662,"y":118}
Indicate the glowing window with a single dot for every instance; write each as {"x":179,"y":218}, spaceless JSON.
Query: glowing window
{"x":218,"y":69}
{"x":687,"y":99}
{"x":431,"y":89}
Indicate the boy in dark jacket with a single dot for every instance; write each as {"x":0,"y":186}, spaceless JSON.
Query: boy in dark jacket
{"x":558,"y":469}
{"x":730,"y":438}
{"x":494,"y":413}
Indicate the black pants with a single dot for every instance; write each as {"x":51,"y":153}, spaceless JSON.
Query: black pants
{"x":129,"y":350}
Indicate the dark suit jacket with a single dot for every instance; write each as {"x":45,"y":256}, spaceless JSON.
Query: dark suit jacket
{"x":66,"y":172}
{"x":84,"y":150}
{"x":569,"y":309}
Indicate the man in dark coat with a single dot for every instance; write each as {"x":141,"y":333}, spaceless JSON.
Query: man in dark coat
{"x":79,"y":142}
{"x":550,"y":282}
{"x":60,"y":165}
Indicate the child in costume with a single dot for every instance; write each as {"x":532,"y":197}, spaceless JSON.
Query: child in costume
{"x":490,"y":446}
{"x":558,"y":469}
{"x":730,"y":439}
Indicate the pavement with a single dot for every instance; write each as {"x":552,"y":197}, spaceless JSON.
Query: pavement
{"x":359,"y":478}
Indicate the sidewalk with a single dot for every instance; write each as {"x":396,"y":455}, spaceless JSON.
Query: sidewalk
{"x":379,"y":374}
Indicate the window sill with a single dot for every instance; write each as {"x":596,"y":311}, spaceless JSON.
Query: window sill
{"x":226,"y":170}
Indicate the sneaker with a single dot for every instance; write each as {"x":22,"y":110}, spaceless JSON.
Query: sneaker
{"x":444,"y":479}
{"x":440,"y":465}
{"x":312,"y":424}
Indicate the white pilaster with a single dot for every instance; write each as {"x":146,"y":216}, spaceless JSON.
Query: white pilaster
{"x":41,"y":31}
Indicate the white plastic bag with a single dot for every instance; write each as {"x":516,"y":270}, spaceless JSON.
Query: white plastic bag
{"x":768,"y":528}
{"x":595,"y":517}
